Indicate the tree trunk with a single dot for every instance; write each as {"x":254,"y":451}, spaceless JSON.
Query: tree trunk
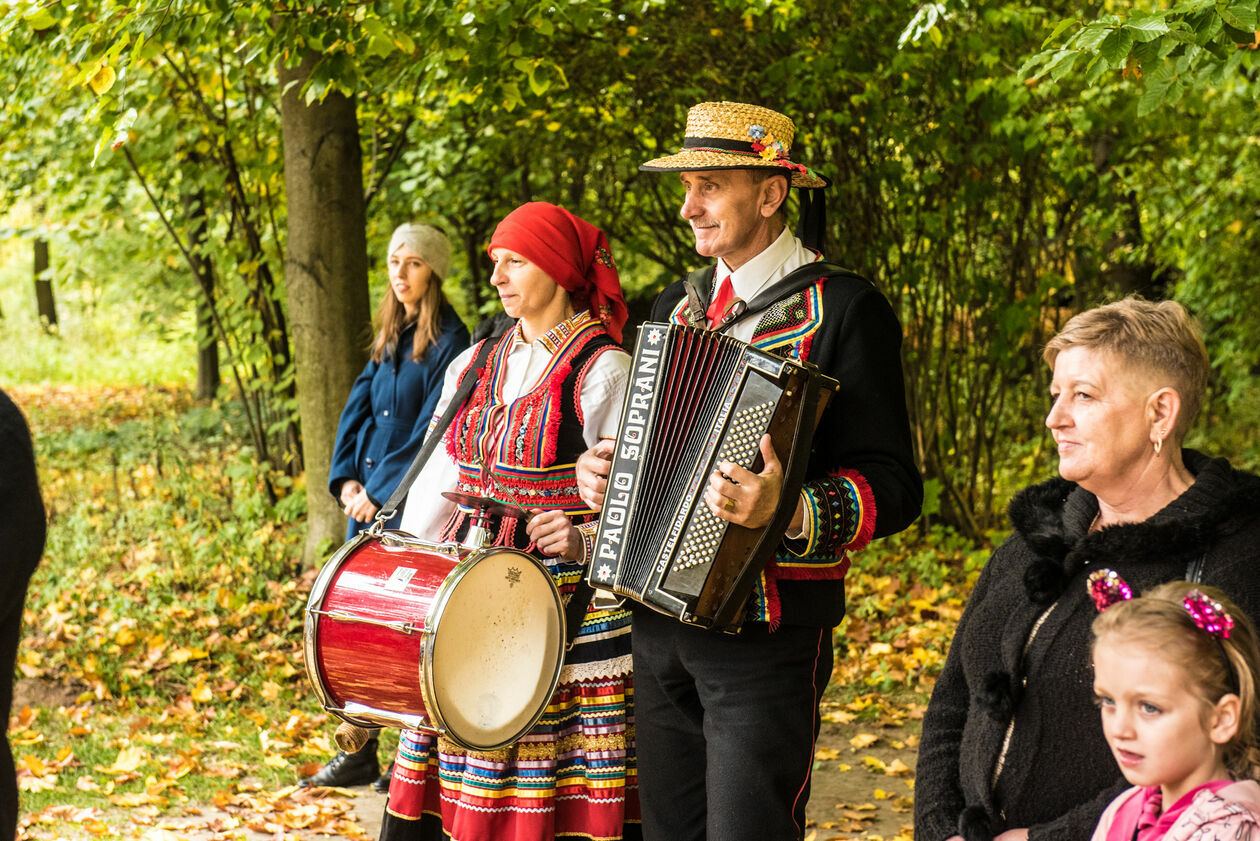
{"x":325,"y":273}
{"x":207,"y":352}
{"x":44,"y":302}
{"x":207,"y":343}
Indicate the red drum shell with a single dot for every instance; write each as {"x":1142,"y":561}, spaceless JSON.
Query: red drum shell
{"x":404,"y":633}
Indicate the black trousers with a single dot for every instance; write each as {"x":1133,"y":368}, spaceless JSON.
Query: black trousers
{"x":725,"y":728}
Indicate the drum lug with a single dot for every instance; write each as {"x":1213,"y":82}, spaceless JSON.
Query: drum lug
{"x":362,"y":715}
{"x":344,"y":616}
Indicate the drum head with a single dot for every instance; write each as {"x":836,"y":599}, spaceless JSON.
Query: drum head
{"x":495,"y":649}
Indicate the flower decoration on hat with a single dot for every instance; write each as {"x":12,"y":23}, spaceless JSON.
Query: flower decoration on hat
{"x":765,"y":145}
{"x":1106,"y":587}
{"x":1208,"y":614}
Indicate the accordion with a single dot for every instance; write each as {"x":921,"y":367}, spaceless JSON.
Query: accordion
{"x":697,"y":398}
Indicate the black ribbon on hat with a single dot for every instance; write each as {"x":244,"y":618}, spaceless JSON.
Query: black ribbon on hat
{"x":811,"y":228}
{"x":719,"y":144}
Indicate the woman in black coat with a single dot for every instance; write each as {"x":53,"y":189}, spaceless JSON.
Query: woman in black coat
{"x":22,"y":529}
{"x":1012,"y":746}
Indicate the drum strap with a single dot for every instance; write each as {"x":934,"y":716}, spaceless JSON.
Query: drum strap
{"x":466,"y":386}
{"x":575,"y":611}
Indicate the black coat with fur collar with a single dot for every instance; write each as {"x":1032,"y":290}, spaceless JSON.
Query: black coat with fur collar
{"x":1021,"y":654}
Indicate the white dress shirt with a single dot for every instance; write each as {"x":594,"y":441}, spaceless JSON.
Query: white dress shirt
{"x":601,"y":398}
{"x":785,"y":255}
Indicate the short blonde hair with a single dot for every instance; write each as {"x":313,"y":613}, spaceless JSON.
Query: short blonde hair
{"x":1160,"y":339}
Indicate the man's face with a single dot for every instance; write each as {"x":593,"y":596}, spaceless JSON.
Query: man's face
{"x":728,"y":213}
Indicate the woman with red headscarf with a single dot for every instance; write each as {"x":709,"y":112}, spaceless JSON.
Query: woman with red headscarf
{"x":553,"y":386}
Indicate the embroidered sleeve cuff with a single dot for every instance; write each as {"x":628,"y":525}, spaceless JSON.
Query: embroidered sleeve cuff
{"x":587,"y":532}
{"x":839,"y":515}
{"x":805,"y":542}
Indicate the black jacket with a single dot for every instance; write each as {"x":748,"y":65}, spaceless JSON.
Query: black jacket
{"x":855,"y":338}
{"x":22,"y":529}
{"x":1058,"y":774}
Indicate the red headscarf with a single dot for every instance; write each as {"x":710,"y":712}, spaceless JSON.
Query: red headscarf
{"x":573,"y":252}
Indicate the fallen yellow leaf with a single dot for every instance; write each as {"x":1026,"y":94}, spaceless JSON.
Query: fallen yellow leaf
{"x":128,"y":760}
{"x":863,"y":740}
{"x":897,"y":768}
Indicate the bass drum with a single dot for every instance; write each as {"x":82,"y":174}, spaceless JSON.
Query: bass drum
{"x":404,"y":633}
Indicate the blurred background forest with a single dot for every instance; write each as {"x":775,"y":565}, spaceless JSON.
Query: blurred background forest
{"x":195,"y":197}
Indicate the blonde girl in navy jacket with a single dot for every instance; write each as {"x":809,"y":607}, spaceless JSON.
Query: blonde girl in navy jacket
{"x":385,"y":418}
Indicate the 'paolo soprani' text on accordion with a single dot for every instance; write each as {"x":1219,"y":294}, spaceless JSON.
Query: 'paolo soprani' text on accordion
{"x":695,"y":399}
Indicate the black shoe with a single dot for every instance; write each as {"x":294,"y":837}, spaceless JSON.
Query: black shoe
{"x":382,"y":782}
{"x":348,"y":769}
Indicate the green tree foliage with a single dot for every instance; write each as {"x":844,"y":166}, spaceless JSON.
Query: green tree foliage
{"x":993,"y":170}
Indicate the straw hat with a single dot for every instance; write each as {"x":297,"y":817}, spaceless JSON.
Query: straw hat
{"x":734,"y":135}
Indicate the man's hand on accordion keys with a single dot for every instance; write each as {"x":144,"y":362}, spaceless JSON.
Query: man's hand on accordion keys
{"x":749,"y":499}
{"x":555,"y":535}
{"x":592,"y":473}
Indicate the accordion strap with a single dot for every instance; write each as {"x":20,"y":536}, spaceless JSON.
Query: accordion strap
{"x":390,"y":508}
{"x":699,"y":282}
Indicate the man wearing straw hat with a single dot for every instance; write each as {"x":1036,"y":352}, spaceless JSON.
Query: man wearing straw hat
{"x":725,"y":724}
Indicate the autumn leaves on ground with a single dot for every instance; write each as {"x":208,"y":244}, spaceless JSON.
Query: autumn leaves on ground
{"x":161,"y":691}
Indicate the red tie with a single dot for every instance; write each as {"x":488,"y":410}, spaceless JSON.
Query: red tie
{"x":725,"y":294}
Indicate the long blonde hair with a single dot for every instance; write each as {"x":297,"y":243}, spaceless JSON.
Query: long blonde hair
{"x":1213,"y":667}
{"x":434,"y":249}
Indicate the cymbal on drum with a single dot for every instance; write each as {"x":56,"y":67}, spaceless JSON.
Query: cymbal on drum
{"x":487,"y":505}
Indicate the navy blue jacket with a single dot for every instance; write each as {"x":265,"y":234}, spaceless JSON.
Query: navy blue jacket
{"x":387,"y":414}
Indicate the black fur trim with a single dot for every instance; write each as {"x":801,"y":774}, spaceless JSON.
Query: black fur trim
{"x":1044,"y":581}
{"x":974,"y":824}
{"x":995,"y":697}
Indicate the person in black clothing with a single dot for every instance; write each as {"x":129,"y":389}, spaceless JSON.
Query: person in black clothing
{"x":22,"y":532}
{"x":1012,"y":746}
{"x":725,"y":724}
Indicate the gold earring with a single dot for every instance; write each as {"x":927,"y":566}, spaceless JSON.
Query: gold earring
{"x":1159,"y":442}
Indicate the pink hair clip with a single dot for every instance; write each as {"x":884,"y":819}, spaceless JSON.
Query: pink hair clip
{"x":1208,"y":614}
{"x":1106,"y":587}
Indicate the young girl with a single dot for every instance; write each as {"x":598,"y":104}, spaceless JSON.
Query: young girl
{"x":1174,"y":676}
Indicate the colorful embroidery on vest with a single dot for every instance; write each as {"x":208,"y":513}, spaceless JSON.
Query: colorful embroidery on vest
{"x":516,"y":441}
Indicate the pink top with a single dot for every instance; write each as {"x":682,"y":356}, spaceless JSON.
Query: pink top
{"x":1140,"y":819}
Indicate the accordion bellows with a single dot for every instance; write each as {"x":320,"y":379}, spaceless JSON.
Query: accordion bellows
{"x":696,"y":399}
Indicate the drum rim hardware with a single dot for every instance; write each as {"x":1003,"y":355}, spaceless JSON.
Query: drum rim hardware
{"x":346,"y":616}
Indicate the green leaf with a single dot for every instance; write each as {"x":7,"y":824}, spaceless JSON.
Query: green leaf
{"x":1058,"y":30}
{"x":1153,"y":96}
{"x":1065,"y":66}
{"x":1095,"y":69}
{"x":375,"y":28}
{"x":380,"y":46}
{"x":1146,"y":28}
{"x":538,"y":86}
{"x":40,"y":19}
{"x":1091,"y":36}
{"x":1240,"y":17}
{"x":1034,"y":62}
{"x":1116,"y":46}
